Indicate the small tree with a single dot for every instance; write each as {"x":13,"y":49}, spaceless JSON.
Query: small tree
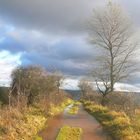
{"x":111,"y":32}
{"x":85,"y":88}
{"x":27,"y":81}
{"x":34,"y":82}
{"x":52,"y":84}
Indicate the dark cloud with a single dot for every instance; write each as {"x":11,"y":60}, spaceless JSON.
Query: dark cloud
{"x":59,"y":16}
{"x":56,"y":16}
{"x":67,"y":67}
{"x":50,"y":32}
{"x":69,"y":58}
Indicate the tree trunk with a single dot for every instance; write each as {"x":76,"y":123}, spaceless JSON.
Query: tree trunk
{"x":104,"y":100}
{"x":111,"y":72}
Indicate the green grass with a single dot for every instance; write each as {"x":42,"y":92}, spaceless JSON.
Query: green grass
{"x":55,"y":110}
{"x":69,"y":133}
{"x":73,"y":110}
{"x":37,"y":138}
{"x":117,"y":124}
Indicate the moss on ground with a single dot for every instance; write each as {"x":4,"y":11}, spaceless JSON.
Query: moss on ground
{"x":69,"y":133}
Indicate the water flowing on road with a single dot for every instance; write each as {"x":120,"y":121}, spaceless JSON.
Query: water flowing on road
{"x":92,"y":130}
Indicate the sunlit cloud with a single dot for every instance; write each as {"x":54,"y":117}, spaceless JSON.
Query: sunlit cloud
{"x":8,"y":62}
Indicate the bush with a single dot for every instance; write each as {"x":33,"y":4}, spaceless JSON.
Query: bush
{"x":3,"y":95}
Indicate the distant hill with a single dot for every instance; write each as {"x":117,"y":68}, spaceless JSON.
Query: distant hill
{"x":4,"y":95}
{"x":76,"y":94}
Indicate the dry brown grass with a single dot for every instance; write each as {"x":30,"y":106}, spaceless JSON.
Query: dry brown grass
{"x":23,"y":122}
{"x":20,"y":123}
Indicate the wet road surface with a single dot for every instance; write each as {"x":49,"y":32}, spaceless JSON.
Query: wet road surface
{"x":92,"y":130}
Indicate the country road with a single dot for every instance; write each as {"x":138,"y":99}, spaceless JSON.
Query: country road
{"x":92,"y":130}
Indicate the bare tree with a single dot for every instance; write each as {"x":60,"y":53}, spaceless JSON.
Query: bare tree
{"x":35,"y":83}
{"x":27,"y":81}
{"x":85,"y":87}
{"x":54,"y":81}
{"x":110,"y":30}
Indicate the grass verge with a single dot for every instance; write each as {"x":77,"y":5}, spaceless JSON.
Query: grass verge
{"x":117,"y":124}
{"x":37,"y":138}
{"x":75,"y":108}
{"x":69,"y":133}
{"x":24,"y":124}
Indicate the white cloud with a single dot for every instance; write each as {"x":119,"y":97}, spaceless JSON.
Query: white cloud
{"x":7,"y":63}
{"x":72,"y":84}
{"x":127,"y":87}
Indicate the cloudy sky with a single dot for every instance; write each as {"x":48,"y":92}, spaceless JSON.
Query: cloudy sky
{"x":51,"y":33}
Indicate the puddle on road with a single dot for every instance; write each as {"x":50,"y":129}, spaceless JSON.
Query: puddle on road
{"x":92,"y":130}
{"x":68,"y":108}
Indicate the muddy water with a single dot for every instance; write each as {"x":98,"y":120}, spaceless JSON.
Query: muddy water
{"x":92,"y":130}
